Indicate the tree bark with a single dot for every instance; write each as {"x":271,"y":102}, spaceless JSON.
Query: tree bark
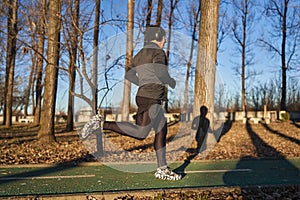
{"x":159,"y":12}
{"x":30,"y":83}
{"x":39,"y":63}
{"x":12,"y":31}
{"x":283,"y":54}
{"x":243,"y":45}
{"x":46,"y":132}
{"x":206,"y":59}
{"x":95,"y":57}
{"x":149,"y":13}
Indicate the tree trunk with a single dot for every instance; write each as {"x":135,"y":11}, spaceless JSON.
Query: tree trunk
{"x":46,"y":132}
{"x":170,"y":22}
{"x":206,"y":60}
{"x":159,"y":12}
{"x":243,"y":46}
{"x":72,"y":65}
{"x":283,"y":54}
{"x":95,"y":57}
{"x":29,"y":86}
{"x":95,"y":74}
{"x":189,"y":63}
{"x":129,"y":52}
{"x":12,"y":31}
{"x":149,"y":13}
{"x":39,"y":63}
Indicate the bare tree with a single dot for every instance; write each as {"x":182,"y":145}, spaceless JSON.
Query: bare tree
{"x":206,"y":58}
{"x":224,"y":24}
{"x":194,"y":22}
{"x":173,"y":5}
{"x":284,"y":38}
{"x":46,"y":132}
{"x":32,"y":19}
{"x":95,"y":55}
{"x":149,"y":13}
{"x":11,"y":49}
{"x":242,"y":25}
{"x":30,"y":83}
{"x":206,"y":66}
{"x":293,"y":100}
{"x":74,"y":20}
{"x":84,"y":69}
{"x":129,"y":52}
{"x":159,"y":12}
{"x":39,"y":62}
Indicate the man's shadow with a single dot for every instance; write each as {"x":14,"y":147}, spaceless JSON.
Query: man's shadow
{"x":201,"y":124}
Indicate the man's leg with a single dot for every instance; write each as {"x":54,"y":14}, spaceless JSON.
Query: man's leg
{"x":161,"y":129}
{"x":139,"y":131}
{"x":160,"y":146}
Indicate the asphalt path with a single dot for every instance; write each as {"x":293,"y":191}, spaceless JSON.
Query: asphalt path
{"x":92,"y":178}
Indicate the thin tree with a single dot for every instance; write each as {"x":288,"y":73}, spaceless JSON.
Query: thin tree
{"x":95,"y":56}
{"x":149,"y":13}
{"x":129,"y":52}
{"x":46,"y":131}
{"x":40,"y":61}
{"x":241,"y":31}
{"x":31,"y":24}
{"x":195,"y":20}
{"x":83,"y":65}
{"x":74,"y":15}
{"x":173,"y":5}
{"x":159,"y":12}
{"x":11,"y":49}
{"x":284,"y":37}
{"x":95,"y":71}
{"x":31,"y":28}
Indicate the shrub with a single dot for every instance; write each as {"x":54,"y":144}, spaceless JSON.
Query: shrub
{"x":285,"y":116}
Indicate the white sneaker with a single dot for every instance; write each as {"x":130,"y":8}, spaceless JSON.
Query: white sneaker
{"x":95,"y":123}
{"x":167,"y":174}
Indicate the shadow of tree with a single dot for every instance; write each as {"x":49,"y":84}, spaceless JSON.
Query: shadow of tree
{"x":296,"y":124}
{"x":43,"y":170}
{"x":270,"y":167}
{"x":281,"y":134}
{"x":225,"y":128}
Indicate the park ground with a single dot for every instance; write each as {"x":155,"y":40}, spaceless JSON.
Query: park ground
{"x":274,"y":141}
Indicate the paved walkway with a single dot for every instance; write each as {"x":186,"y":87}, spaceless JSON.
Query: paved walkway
{"x":90,"y":178}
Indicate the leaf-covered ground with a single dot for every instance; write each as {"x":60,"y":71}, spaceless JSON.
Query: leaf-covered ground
{"x":18,"y":145}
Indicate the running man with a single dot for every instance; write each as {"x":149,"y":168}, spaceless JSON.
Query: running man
{"x":149,"y":72}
